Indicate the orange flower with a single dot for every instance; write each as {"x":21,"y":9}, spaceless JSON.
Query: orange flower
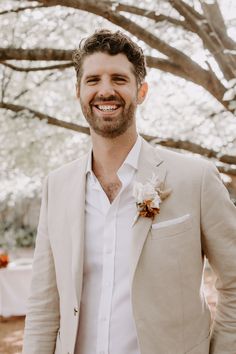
{"x":146,"y":210}
{"x":4,"y":260}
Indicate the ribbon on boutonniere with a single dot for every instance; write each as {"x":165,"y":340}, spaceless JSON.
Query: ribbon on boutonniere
{"x":149,"y":196}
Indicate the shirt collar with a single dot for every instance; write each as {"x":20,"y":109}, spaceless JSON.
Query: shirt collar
{"x":131,"y":158}
{"x":133,"y":155}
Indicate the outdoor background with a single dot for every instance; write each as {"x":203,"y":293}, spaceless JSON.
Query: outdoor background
{"x":190,"y":48}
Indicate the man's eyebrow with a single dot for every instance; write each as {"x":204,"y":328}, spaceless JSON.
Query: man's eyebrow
{"x":91,"y":76}
{"x":95,"y":76}
{"x":120,"y":75}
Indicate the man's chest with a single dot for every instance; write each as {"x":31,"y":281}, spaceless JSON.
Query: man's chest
{"x":111,"y":186}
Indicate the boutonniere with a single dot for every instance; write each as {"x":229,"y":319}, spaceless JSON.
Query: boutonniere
{"x":149,"y":196}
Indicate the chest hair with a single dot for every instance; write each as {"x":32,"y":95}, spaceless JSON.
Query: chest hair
{"x":110,"y":187}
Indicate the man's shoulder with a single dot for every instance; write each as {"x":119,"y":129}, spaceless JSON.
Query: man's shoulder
{"x":183,"y":161}
{"x":173,"y":155}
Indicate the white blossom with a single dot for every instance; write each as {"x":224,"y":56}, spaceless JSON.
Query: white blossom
{"x":143,"y":192}
{"x":229,"y":95}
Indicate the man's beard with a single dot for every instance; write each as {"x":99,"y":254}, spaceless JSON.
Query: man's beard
{"x":116,"y":126}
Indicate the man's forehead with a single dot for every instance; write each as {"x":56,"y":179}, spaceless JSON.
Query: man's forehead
{"x":99,"y":62}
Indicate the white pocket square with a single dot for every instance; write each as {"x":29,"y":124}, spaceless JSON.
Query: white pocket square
{"x":170,"y":222}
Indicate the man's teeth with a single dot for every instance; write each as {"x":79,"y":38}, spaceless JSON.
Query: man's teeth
{"x":107,"y":108}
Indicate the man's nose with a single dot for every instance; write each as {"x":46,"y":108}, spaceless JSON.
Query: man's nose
{"x":106,"y":89}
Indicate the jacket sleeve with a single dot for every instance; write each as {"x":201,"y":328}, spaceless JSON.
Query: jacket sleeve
{"x":42,"y":319}
{"x":218,"y":222}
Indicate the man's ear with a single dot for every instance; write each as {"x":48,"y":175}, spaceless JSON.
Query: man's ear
{"x":142,"y":92}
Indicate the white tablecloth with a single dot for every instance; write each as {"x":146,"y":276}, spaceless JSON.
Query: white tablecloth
{"x":14,"y":288}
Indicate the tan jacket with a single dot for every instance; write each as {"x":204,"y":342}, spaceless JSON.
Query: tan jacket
{"x":166,"y":264}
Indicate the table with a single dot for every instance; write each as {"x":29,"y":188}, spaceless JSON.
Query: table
{"x":14,"y":287}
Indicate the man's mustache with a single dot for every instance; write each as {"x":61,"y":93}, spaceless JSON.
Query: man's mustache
{"x":111,"y":98}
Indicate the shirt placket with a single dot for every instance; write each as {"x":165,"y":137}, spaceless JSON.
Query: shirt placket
{"x":109,"y":247}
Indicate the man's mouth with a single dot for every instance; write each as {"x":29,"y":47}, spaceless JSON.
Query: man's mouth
{"x":107,"y":108}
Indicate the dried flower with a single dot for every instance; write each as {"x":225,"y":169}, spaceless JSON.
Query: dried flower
{"x":149,"y":196}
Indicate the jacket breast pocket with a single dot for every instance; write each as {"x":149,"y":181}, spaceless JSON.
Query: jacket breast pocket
{"x":172,"y":227}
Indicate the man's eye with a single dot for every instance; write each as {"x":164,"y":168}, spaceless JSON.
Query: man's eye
{"x":120,"y":79}
{"x":92,"y":81}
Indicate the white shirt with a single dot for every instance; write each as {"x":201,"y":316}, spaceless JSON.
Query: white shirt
{"x":106,"y":321}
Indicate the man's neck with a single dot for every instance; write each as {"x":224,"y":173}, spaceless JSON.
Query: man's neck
{"x":109,"y":154}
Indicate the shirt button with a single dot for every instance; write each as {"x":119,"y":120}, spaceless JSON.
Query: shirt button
{"x":75,"y":311}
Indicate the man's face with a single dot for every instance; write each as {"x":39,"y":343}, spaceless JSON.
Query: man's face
{"x":109,"y":94}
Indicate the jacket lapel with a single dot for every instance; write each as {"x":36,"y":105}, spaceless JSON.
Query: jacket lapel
{"x":149,"y":163}
{"x":76,"y":210}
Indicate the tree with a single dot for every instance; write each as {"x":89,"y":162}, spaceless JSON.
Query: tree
{"x":191,"y":57}
{"x":208,"y":24}
{"x":150,"y":22}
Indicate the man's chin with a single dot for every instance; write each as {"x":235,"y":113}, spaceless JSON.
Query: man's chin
{"x":110,"y":132}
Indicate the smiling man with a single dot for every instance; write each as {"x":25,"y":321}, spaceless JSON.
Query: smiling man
{"x":108,"y":94}
{"x":124,"y":231}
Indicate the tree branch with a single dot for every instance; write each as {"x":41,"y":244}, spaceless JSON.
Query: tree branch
{"x":167,"y":66}
{"x":44,"y":54}
{"x":152,"y":62}
{"x":209,"y":38}
{"x":217,"y":25}
{"x":38,"y":84}
{"x":152,"y":15}
{"x":190,"y":69}
{"x":194,"y":13}
{"x":227,"y":170}
{"x":170,"y":143}
{"x":101,"y":9}
{"x":5,"y":82}
{"x":198,"y":75}
{"x":214,"y":16}
{"x":38,"y":68}
{"x":19,"y":9}
{"x":50,"y":120}
{"x":197,"y":149}
{"x":202,"y":77}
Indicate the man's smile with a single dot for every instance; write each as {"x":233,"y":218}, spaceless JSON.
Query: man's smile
{"x":107,"y":108}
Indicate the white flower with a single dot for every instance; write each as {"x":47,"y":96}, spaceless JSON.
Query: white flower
{"x":156,"y":202}
{"x":148,"y":197}
{"x":143,"y":192}
{"x":229,"y":94}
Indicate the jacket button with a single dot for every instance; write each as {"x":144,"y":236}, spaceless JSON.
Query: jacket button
{"x":75,"y":311}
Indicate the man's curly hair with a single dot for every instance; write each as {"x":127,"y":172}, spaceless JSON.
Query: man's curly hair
{"x":112,"y":43}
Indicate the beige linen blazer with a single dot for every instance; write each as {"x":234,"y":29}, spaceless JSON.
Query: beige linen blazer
{"x":166,"y":262}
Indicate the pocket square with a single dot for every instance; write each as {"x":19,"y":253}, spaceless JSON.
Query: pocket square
{"x":170,"y":222}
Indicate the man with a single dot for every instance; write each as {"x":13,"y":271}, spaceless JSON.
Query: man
{"x":124,"y":231}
